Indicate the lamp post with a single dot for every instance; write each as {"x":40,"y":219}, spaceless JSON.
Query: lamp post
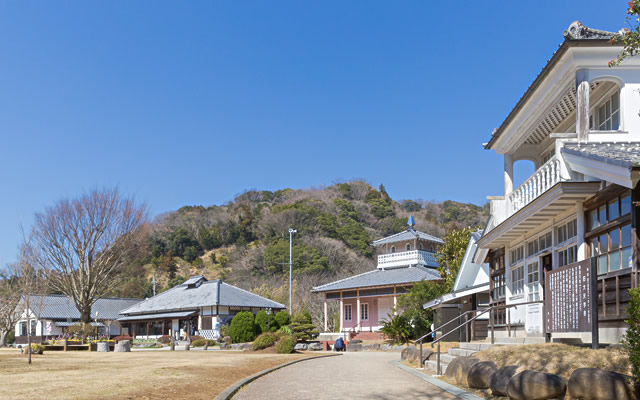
{"x":96,"y":321}
{"x":291,"y":232}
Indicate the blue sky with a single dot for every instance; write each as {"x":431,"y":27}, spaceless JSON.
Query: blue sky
{"x":185,"y":103}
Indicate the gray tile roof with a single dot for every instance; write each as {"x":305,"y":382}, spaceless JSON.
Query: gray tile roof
{"x":206,"y":294}
{"x":409,"y":234}
{"x":380,"y":277}
{"x":62,"y":308}
{"x":621,"y":154}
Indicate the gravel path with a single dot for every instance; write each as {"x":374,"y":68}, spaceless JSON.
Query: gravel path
{"x":366,"y":375}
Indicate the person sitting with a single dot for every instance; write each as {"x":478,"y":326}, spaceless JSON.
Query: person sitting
{"x":339,"y":346}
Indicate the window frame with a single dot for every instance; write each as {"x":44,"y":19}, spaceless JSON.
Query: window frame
{"x":517,"y":280}
{"x":531,"y":283}
{"x":350,"y":312}
{"x":364,"y":306}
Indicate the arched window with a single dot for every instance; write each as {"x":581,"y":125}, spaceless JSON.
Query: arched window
{"x":420,"y":246}
{"x":408,"y":246}
{"x":393,"y":249}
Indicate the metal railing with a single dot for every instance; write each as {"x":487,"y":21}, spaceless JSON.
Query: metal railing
{"x":488,"y":310}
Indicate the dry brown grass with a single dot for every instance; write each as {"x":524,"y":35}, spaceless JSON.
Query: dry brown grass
{"x":560,"y":359}
{"x":135,"y":375}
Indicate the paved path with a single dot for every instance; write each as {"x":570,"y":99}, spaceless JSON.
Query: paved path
{"x":366,"y":375}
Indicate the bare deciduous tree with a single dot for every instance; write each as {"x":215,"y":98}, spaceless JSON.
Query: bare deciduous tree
{"x":82,"y":244}
{"x":9,"y":299}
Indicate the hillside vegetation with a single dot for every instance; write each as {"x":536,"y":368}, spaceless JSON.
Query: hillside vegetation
{"x":246,"y":241}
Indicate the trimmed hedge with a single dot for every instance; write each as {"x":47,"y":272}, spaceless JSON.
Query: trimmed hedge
{"x":265,"y":340}
{"x":286,"y":344}
{"x":283,"y":318}
{"x":242,"y":327}
{"x":164,"y":339}
{"x":122,"y":337}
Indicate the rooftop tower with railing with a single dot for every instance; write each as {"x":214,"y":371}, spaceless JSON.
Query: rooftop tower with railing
{"x":407,"y":248}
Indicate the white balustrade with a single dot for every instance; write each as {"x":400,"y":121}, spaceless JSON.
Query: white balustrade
{"x":411,"y":257}
{"x":539,"y":182}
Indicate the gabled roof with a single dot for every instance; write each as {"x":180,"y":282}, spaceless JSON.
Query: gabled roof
{"x":409,"y":234}
{"x":62,"y":307}
{"x":189,"y":296}
{"x":577,"y":34}
{"x":471,"y":274}
{"x":380,"y":277}
{"x":620,"y":154}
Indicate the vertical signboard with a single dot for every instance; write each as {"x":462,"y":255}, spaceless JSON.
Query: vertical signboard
{"x":569,"y":296}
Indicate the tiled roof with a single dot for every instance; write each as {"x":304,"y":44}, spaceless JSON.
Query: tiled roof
{"x":621,"y":154}
{"x":206,"y":294}
{"x":179,"y":314}
{"x":409,"y":234}
{"x":62,"y":307}
{"x":380,"y":277}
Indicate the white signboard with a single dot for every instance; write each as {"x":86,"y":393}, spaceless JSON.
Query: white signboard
{"x":534,"y":318}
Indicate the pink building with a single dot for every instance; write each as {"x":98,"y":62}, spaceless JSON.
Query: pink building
{"x":367,"y":299}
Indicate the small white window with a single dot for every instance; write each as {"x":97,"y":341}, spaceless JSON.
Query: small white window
{"x":533,"y":281}
{"x":517,"y":280}
{"x":347,"y":312}
{"x":364,"y":311}
{"x":408,"y":247}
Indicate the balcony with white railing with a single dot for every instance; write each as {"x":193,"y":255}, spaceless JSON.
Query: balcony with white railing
{"x":405,"y":258}
{"x":539,"y":182}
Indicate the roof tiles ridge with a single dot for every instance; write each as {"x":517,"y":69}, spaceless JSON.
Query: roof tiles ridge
{"x":246,"y":291}
{"x":347,"y":278}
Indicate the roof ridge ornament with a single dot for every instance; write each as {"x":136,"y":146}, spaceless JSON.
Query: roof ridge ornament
{"x":578,"y":31}
{"x":411,"y":222}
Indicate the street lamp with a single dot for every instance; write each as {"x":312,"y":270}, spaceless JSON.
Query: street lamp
{"x":291,"y":232}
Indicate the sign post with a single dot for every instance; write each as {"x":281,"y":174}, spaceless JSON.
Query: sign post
{"x":571,"y":299}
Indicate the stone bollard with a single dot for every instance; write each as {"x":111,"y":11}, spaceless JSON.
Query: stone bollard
{"x":187,"y":347}
{"x":103,"y":347}
{"x":124,"y":346}
{"x":206,"y":346}
{"x":173,"y":345}
{"x":65,"y":343}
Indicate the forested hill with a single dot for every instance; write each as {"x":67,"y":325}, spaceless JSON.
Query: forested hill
{"x":246,"y":242}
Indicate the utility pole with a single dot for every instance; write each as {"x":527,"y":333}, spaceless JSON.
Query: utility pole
{"x":291,"y":232}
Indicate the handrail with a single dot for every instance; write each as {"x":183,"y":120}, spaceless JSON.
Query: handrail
{"x":421,"y":339}
{"x":506,"y":306}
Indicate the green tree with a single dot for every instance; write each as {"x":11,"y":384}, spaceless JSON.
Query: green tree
{"x":302,"y":327}
{"x":305,"y":258}
{"x":178,"y":280}
{"x":411,"y":304}
{"x":265,"y":322}
{"x":243,"y":328}
{"x":630,"y":38}
{"x":283,"y":318}
{"x":450,"y":255}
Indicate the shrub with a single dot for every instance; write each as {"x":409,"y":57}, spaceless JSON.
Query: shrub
{"x":224,"y":330}
{"x":196,"y":337}
{"x":164,"y":339}
{"x":302,"y":328}
{"x":37,"y":348}
{"x":631,"y":340}
{"x":397,"y":327}
{"x":285,"y":330}
{"x":286,"y":344}
{"x":283,"y":318}
{"x":211,"y":342}
{"x":11,"y":337}
{"x":81,"y":330}
{"x":199,"y":342}
{"x":242,"y":327}
{"x":262,"y":322}
{"x":122,"y":337}
{"x":264,"y":340}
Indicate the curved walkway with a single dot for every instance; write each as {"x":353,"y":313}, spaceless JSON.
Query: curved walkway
{"x":366,"y":375}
